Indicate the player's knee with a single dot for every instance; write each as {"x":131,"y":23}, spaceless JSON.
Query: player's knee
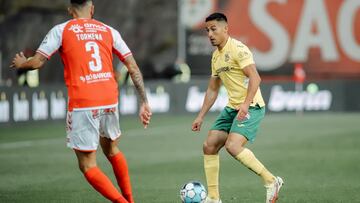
{"x":109,"y":147}
{"x":232,"y":148}
{"x":111,"y":151}
{"x":85,"y":166}
{"x":209,"y":149}
{"x":86,"y":160}
{"x":82,"y":168}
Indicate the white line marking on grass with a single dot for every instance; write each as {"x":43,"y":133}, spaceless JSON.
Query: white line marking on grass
{"x":30,"y":143}
{"x":131,"y":132}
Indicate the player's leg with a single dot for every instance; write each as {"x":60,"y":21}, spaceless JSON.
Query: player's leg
{"x":119,"y":165}
{"x":235,"y":145}
{"x":101,"y":183}
{"x":83,"y":137}
{"x":243,"y":131}
{"x":110,"y":134}
{"x":213,"y":143}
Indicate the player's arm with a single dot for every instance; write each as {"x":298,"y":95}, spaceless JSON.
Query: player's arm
{"x":48,"y":46}
{"x":254,"y":83}
{"x":210,"y":98}
{"x":32,"y":63}
{"x":123,"y":52}
{"x":136,"y":76}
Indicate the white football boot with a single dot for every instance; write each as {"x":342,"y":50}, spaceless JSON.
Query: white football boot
{"x":272,"y":190}
{"x":209,"y":200}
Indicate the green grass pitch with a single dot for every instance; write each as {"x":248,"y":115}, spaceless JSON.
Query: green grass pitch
{"x":317,"y":154}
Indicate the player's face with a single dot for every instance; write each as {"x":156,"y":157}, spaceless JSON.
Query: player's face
{"x":217,"y":32}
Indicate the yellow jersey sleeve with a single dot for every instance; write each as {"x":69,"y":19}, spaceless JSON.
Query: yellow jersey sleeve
{"x":213,"y":70}
{"x":244,"y":56}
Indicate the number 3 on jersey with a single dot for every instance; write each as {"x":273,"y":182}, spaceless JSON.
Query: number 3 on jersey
{"x":96,"y":65}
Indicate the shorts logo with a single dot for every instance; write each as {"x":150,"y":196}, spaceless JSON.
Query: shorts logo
{"x":241,"y":125}
{"x":110,"y":110}
{"x":95,"y":113}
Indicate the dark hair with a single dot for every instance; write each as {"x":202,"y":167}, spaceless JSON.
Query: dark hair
{"x":79,"y":2}
{"x":217,"y":17}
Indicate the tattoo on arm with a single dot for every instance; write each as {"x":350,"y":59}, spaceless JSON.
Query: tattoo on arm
{"x":139,"y":84}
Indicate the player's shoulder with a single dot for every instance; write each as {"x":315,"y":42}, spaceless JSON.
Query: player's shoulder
{"x":59,"y":28}
{"x":238,"y":48}
{"x":215,"y":51}
{"x":94,"y":21}
{"x":237,"y":44}
{"x":104,"y":24}
{"x":65,"y":23}
{"x":87,"y":23}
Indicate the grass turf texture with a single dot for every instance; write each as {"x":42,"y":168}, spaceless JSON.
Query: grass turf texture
{"x":318,"y":155}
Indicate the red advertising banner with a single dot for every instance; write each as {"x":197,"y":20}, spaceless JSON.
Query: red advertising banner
{"x":323,"y":35}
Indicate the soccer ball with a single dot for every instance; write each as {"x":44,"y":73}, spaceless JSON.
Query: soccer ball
{"x":193,"y":192}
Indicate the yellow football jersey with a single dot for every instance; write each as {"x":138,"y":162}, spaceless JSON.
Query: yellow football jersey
{"x":228,"y":64}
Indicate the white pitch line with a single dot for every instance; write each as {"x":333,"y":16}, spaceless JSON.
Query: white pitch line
{"x":29,"y":143}
{"x":41,"y":142}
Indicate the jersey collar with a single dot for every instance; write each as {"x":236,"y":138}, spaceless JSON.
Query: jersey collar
{"x":227,"y":44}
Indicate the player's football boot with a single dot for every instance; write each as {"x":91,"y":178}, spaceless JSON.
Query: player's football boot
{"x":209,"y":200}
{"x":272,"y":190}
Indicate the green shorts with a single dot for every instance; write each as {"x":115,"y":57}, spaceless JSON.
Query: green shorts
{"x":227,"y":121}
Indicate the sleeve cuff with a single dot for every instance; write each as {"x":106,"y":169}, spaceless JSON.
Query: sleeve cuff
{"x":43,"y":53}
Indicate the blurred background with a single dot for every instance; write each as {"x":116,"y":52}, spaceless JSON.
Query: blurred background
{"x":307,"y":53}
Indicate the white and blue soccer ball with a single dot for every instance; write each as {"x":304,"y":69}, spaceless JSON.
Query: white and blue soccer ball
{"x":193,"y":192}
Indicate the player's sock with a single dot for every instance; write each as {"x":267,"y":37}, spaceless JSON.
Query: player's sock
{"x":121,"y":171}
{"x":212,"y":165}
{"x":248,"y":158}
{"x":267,"y":177}
{"x":102,"y":184}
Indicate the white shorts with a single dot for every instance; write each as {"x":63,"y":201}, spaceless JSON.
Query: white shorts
{"x":84,"y":128}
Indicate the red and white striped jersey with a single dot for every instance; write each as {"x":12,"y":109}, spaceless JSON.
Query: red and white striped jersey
{"x":86,"y":47}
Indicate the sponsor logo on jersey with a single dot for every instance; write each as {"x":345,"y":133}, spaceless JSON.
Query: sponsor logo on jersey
{"x":227,"y":57}
{"x":96,"y":77}
{"x":223,"y":69}
{"x":76,"y":28}
{"x":90,"y":27}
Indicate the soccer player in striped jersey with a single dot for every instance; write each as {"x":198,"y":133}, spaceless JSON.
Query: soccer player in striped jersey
{"x":86,"y":47}
{"x":233,"y":66}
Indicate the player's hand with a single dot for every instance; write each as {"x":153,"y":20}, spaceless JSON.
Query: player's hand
{"x":243,"y":111}
{"x":145,"y":114}
{"x":18,"y":60}
{"x":196,"y":125}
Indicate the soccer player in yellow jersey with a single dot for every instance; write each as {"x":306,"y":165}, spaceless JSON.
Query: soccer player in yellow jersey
{"x":233,"y":66}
